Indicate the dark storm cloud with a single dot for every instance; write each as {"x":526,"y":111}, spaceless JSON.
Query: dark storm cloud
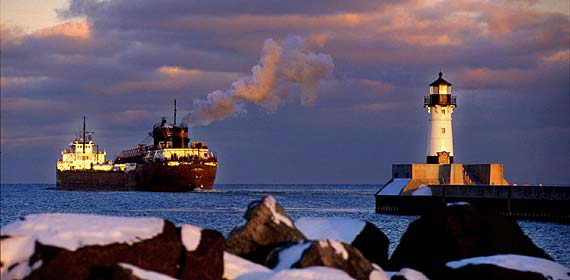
{"x":125,"y":62}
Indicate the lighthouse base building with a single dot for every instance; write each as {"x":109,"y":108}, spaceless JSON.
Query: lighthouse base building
{"x":407,"y":178}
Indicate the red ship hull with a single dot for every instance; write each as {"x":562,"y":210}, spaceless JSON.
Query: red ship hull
{"x":154,"y":177}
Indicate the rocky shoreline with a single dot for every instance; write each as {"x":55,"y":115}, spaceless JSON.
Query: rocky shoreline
{"x":455,"y":242}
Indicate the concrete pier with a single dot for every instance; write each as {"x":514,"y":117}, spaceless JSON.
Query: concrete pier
{"x":547,"y":203}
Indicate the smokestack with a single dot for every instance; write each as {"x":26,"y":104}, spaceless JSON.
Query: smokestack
{"x":282,"y":71}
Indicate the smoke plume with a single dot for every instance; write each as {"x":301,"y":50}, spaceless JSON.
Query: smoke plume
{"x":281,"y":72}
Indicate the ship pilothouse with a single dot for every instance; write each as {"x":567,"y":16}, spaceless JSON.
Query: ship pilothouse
{"x":83,"y":154}
{"x":440,"y":104}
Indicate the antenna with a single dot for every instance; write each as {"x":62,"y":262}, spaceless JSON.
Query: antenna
{"x":175,"y":111}
{"x":83,"y":134}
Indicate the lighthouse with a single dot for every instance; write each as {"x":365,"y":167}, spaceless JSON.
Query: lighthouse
{"x":440,"y":105}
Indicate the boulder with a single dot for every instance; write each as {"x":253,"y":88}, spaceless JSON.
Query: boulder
{"x":456,"y":232}
{"x":76,"y":246}
{"x":364,"y":236}
{"x":204,"y":254}
{"x":267,"y":227}
{"x":159,"y":254}
{"x":327,"y":252}
{"x":506,"y":267}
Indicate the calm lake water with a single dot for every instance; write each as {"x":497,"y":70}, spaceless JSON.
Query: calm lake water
{"x":223,"y":208}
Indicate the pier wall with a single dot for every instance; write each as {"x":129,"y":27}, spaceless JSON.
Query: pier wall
{"x":527,"y":202}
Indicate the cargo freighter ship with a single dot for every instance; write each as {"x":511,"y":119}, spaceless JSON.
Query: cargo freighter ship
{"x":171,"y":164}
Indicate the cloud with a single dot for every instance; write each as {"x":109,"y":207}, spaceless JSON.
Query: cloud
{"x":171,"y":78}
{"x":76,"y":29}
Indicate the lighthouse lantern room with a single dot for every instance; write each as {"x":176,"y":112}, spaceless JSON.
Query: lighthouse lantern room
{"x":440,"y":105}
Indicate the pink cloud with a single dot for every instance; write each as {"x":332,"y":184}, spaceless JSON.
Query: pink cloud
{"x":76,"y":29}
{"x":173,"y":78}
{"x":485,"y":77}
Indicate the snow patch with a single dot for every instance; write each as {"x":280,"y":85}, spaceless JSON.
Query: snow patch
{"x":337,"y":246}
{"x":145,"y":274}
{"x":378,"y":273}
{"x":270,"y":202}
{"x":239,"y":268}
{"x":411,"y":274}
{"x":289,"y":256}
{"x":73,"y":231}
{"x":457,"y":203}
{"x":549,"y":269}
{"x":342,"y":229}
{"x":191,"y":236}
{"x":395,"y":187}
{"x":310,"y":273}
{"x":422,"y":191}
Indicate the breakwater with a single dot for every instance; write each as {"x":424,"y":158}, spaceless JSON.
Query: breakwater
{"x":547,"y":203}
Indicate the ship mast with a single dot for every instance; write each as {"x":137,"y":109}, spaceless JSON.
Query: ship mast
{"x":175,"y":111}
{"x":84,"y":134}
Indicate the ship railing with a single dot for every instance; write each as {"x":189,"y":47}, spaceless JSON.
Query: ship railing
{"x":182,"y":155}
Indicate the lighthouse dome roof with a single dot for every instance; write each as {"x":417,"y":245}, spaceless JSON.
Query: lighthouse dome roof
{"x":440,"y":81}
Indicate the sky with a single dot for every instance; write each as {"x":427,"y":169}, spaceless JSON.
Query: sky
{"x":310,"y":91}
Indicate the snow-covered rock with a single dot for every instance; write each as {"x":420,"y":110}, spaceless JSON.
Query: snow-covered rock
{"x":66,"y":246}
{"x":364,"y":236}
{"x":79,"y":246}
{"x":457,"y":232}
{"x":236,"y":268}
{"x":507,"y":267}
{"x":204,"y":259}
{"x":72,"y":231}
{"x":326,"y":252}
{"x":268,"y":226}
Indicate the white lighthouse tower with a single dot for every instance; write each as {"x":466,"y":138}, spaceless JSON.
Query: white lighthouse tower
{"x":440,"y":105}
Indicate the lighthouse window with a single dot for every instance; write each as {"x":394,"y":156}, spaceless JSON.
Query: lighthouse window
{"x":443,"y":130}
